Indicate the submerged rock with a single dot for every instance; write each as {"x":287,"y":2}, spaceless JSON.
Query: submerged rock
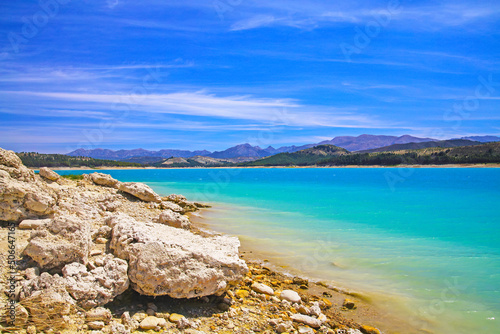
{"x":168,"y":261}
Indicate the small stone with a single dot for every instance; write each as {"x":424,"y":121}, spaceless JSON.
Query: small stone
{"x":32,"y":273}
{"x":31,"y":329}
{"x":49,"y":174}
{"x":101,"y":240}
{"x":149,"y":323}
{"x":95,"y":252}
{"x":262,"y":288}
{"x":183,"y":323}
{"x":349,"y":304}
{"x":369,"y":330}
{"x":325,"y":303}
{"x":305,"y":330}
{"x":96,"y":325}
{"x":99,"y":314}
{"x":31,"y":224}
{"x":284,"y":327}
{"x":303,"y":309}
{"x":291,"y":296}
{"x":174,"y":317}
{"x":306,"y":320}
{"x":242,"y":293}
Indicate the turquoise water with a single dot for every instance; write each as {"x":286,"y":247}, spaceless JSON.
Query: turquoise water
{"x":426,"y":238}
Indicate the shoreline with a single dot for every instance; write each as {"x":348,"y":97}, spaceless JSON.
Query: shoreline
{"x":369,"y":308}
{"x":253,"y":167}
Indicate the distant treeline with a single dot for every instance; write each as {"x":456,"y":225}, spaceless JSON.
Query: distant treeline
{"x":37,"y":160}
{"x":484,"y":153}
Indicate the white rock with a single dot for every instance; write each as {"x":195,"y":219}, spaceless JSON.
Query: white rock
{"x":141,"y":191}
{"x":65,"y":239}
{"x":49,"y":174}
{"x":104,"y":180}
{"x":168,"y":261}
{"x":96,"y":325}
{"x":149,"y":323}
{"x":306,"y":320}
{"x":99,"y":286}
{"x":31,"y":224}
{"x":291,"y":296}
{"x":262,"y":288}
{"x":305,"y":330}
{"x":174,"y":219}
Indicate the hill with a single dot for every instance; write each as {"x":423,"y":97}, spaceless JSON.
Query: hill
{"x":483,"y":139}
{"x":367,"y":142}
{"x":197,"y":161}
{"x":36,"y":160}
{"x":427,"y":144}
{"x":328,"y":155}
{"x":305,"y":157}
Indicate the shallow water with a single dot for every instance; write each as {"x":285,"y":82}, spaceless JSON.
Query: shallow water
{"x":427,"y":237}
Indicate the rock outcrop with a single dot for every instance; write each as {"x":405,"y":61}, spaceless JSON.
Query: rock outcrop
{"x":49,"y":174}
{"x":104,"y":180}
{"x":169,"y":261}
{"x":141,"y":191}
{"x":63,"y":240}
{"x":174,"y":219}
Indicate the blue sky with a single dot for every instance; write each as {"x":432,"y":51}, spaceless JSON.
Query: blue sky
{"x":212,"y":74}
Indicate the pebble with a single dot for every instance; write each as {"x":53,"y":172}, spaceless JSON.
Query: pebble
{"x":174,"y":317}
{"x":242,"y":293}
{"x":149,"y":323}
{"x":369,"y":330}
{"x":101,"y":240}
{"x":291,"y":296}
{"x":349,"y":304}
{"x":306,"y":320}
{"x":262,"y":288}
{"x":305,"y":330}
{"x":96,"y":324}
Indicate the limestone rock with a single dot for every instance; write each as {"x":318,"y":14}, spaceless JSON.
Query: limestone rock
{"x":39,"y":202}
{"x":104,"y":180}
{"x":291,"y":296}
{"x":174,"y":219}
{"x":31,"y":224}
{"x":262,"y":288}
{"x":165,"y":205}
{"x":99,"y":286}
{"x":149,"y":323}
{"x":99,"y":314}
{"x":49,"y":174}
{"x":168,"y":261}
{"x":306,"y":320}
{"x":65,"y":239}
{"x":12,"y":164}
{"x":349,"y":304}
{"x":96,"y":325}
{"x":48,"y":306}
{"x":141,"y":191}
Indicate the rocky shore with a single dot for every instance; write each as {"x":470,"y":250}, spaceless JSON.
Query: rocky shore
{"x":102,"y":256}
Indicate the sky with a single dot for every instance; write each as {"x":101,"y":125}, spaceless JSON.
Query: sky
{"x":211,"y":74}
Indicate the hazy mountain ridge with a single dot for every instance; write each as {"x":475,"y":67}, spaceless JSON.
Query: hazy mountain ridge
{"x":249,"y":152}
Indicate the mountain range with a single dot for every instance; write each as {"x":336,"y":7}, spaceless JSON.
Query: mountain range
{"x":350,"y":143}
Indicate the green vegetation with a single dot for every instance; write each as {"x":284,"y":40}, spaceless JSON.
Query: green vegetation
{"x":484,"y":153}
{"x":37,"y":160}
{"x":73,"y":177}
{"x":310,"y":156}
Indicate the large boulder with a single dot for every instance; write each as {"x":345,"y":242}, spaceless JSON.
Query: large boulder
{"x":104,"y":180}
{"x":141,"y":191}
{"x":49,"y":174}
{"x":63,"y":240}
{"x":99,"y":286}
{"x":19,"y":200}
{"x":13,"y":165}
{"x":174,"y":219}
{"x":169,"y":261}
